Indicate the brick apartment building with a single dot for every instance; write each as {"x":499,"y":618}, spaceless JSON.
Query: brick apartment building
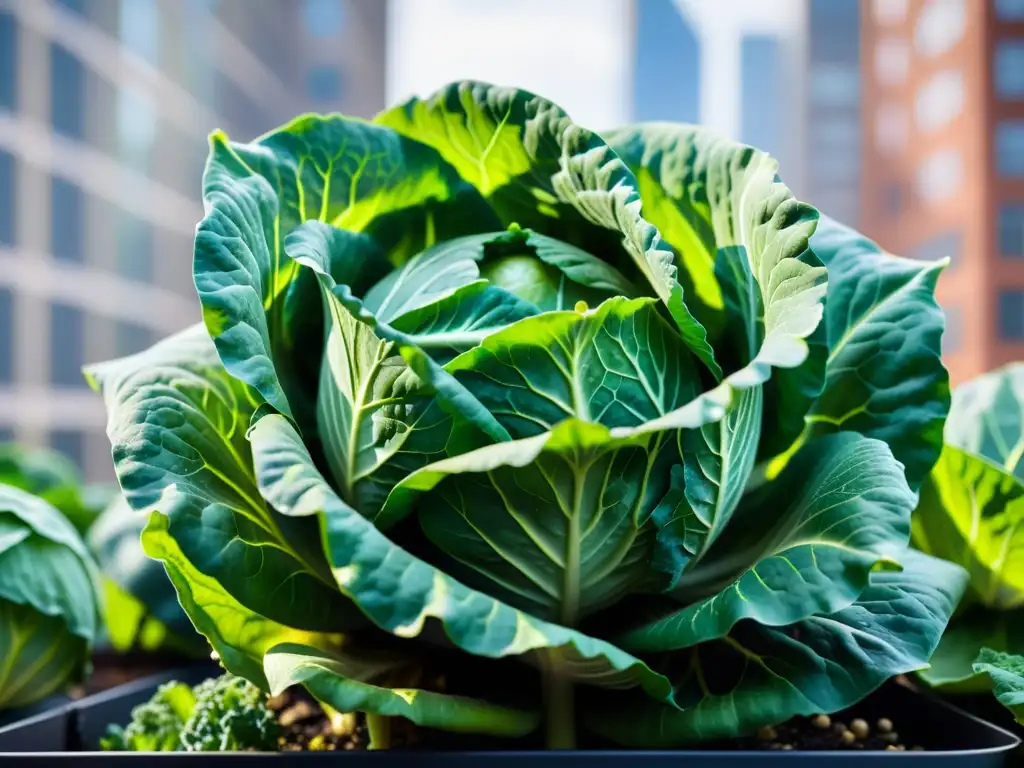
{"x":943,"y":118}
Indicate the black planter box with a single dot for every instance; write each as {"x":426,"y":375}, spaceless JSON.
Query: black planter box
{"x":71,"y":730}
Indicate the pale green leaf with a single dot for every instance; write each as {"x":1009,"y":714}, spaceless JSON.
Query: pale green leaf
{"x":176,"y":423}
{"x":763,"y":675}
{"x":972,"y":513}
{"x":542,"y":171}
{"x":351,"y":681}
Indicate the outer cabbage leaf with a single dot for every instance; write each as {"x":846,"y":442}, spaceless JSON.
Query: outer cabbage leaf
{"x":987,"y":418}
{"x":842,"y":509}
{"x":345,"y":172}
{"x":884,"y":373}
{"x":743,"y":240}
{"x":1007,"y":673}
{"x":239,"y":635}
{"x":350,"y":681}
{"x":971,"y":512}
{"x":177,"y":421}
{"x":952,"y":664}
{"x":141,"y":606}
{"x":539,"y":169}
{"x":49,"y":599}
{"x":763,"y":675}
{"x":400,"y":592}
{"x":52,"y":477}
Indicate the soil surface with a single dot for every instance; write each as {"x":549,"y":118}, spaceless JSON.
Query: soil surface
{"x":307,"y":727}
{"x":825,"y":733}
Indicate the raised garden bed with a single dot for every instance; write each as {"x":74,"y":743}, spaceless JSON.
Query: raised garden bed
{"x":946,"y":737}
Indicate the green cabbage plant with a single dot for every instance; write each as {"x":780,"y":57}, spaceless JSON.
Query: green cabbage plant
{"x":477,"y":387}
{"x":139,"y":605}
{"x":49,"y":600}
{"x":54,"y":478}
{"x":971,"y":512}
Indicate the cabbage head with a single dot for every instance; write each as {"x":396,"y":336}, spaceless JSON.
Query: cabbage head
{"x":506,"y":427}
{"x":49,"y":600}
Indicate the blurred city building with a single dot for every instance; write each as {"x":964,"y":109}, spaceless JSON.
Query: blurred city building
{"x":944,"y":160}
{"x":105,"y":106}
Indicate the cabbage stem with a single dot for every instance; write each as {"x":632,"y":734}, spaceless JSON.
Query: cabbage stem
{"x":559,"y":703}
{"x":379,"y":727}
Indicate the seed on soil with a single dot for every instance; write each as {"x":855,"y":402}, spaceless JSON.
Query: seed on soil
{"x":848,"y":737}
{"x":822,"y":721}
{"x":891,"y":737}
{"x":884,"y":724}
{"x":787,"y":746}
{"x":860,"y":728}
{"x":892,"y":748}
{"x":300,"y":710}
{"x":767,"y":733}
{"x":838,"y":728}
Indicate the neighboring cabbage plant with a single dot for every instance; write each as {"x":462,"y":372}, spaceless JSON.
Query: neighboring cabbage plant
{"x":476,"y":386}
{"x":140,"y":606}
{"x":49,"y":600}
{"x":54,"y":478}
{"x":972,"y":513}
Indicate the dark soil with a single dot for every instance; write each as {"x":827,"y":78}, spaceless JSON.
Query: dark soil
{"x":822,"y":733}
{"x":306,"y":727}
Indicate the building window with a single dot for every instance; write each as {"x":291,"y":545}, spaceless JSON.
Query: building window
{"x":69,"y":443}
{"x":889,"y":11}
{"x":323,"y":83}
{"x":892,"y":61}
{"x":670,"y":46}
{"x":1008,"y":65}
{"x":1010,"y":10}
{"x":8,"y":198}
{"x":135,"y":248}
{"x":1011,"y":315}
{"x":952,"y":336}
{"x":1010,"y":147}
{"x":891,"y":128}
{"x":1011,"y":230}
{"x":940,"y":26}
{"x":939,"y":100}
{"x":892,"y":199}
{"x":835,"y":85}
{"x":324,"y":18}
{"x":6,"y":433}
{"x":66,"y":220}
{"x":75,"y":6}
{"x":67,"y":346}
{"x":949,"y":244}
{"x":136,"y":127}
{"x":939,"y":176}
{"x":834,"y":31}
{"x":139,"y":29}
{"x":6,"y":335}
{"x":761,"y":95}
{"x":130,"y":338}
{"x":8,"y":61}
{"x":67,"y":93}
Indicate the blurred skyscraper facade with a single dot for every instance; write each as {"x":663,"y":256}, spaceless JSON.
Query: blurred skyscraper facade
{"x":944,"y":161}
{"x":105,"y":106}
